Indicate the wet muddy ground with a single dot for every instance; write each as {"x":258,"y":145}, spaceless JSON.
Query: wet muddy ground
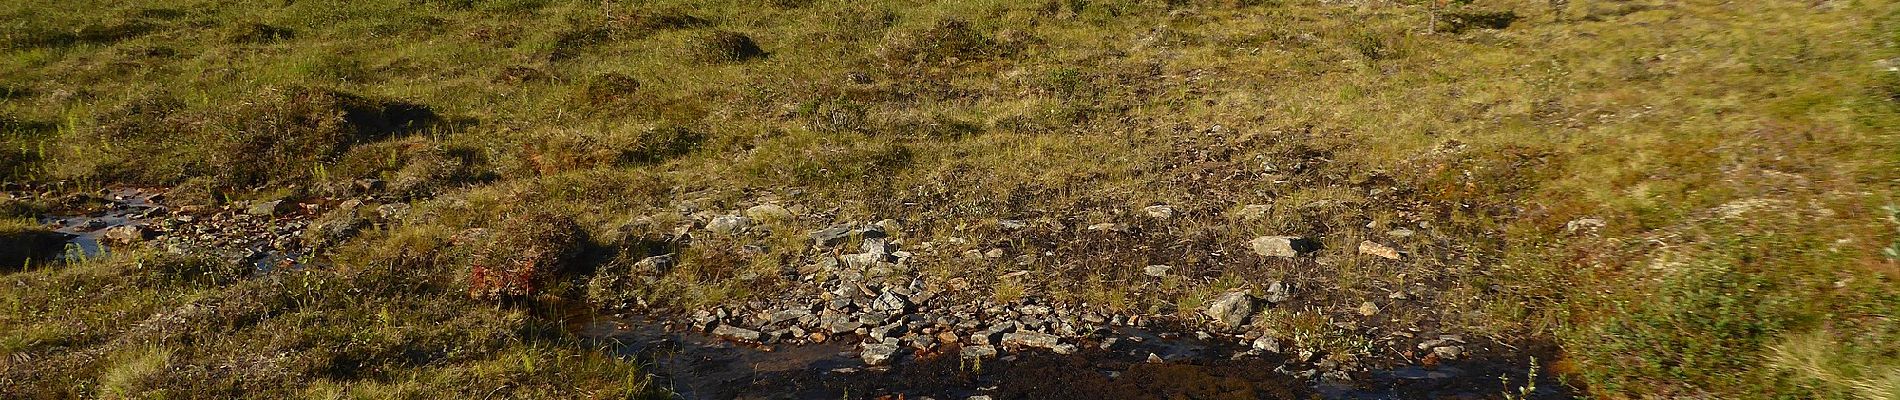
{"x":698,"y":366}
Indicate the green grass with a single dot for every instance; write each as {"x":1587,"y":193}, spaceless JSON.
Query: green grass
{"x":1660,"y":118}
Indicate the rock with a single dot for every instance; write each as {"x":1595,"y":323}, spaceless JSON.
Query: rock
{"x":127,"y":234}
{"x":768,"y":213}
{"x":1031,"y":339}
{"x":393,"y":211}
{"x":1156,"y":270}
{"x":1448,"y":352}
{"x":1253,"y":212}
{"x":1282,"y":246}
{"x":878,"y":353}
{"x":993,"y":253}
{"x":1368,"y":309}
{"x":1162,"y":211}
{"x":1585,"y":225}
{"x":789,"y":315}
{"x":1111,"y":227}
{"x":890,"y":330}
{"x":271,"y":208}
{"x":1380,"y":250}
{"x":653,"y":266}
{"x":831,"y":237}
{"x":737,"y":333}
{"x":890,"y":302}
{"x":1155,"y":358}
{"x":1400,"y":233}
{"x":728,"y":224}
{"x":1267,"y":344}
{"x":1232,"y":309}
{"x":1012,"y":224}
{"x":1065,"y":348}
{"x":1279,"y":292}
{"x":978,"y":352}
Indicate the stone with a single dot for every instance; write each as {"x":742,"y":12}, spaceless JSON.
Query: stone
{"x":768,"y":213}
{"x":831,"y":237}
{"x":1111,"y":227}
{"x":1282,"y":246}
{"x":1370,"y":248}
{"x":1156,"y":270}
{"x":728,"y":224}
{"x":1031,"y":339}
{"x":1368,"y":309}
{"x":1267,"y":344}
{"x":788,"y":315}
{"x":1161,"y":211}
{"x":1155,"y":358}
{"x":1448,"y":352}
{"x":1253,"y":212}
{"x":878,"y":353}
{"x":653,"y":266}
{"x":978,"y":352}
{"x":737,"y":333}
{"x":890,"y":330}
{"x":1232,"y":309}
{"x":1065,"y":348}
{"x":127,"y":234}
{"x":1012,"y":224}
{"x":271,"y":208}
{"x":890,"y":302}
{"x":1400,"y":233}
{"x":1279,"y":292}
{"x":1585,"y":225}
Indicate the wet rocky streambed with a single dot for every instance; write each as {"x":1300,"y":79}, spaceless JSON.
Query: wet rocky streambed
{"x":904,"y":341}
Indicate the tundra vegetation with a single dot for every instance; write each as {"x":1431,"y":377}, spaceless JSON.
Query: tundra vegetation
{"x":1681,"y":199}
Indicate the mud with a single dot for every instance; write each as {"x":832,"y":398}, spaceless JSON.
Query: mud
{"x":698,"y":366}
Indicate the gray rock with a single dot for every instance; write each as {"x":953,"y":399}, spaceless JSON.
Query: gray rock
{"x":1159,"y":211}
{"x":654,"y":266}
{"x":890,"y":302}
{"x":831,"y":237}
{"x":127,"y":234}
{"x":768,"y":213}
{"x":1279,"y":292}
{"x":1012,"y":224}
{"x":733,"y":332}
{"x":1282,"y":246}
{"x":1031,"y":339}
{"x":1065,"y":348}
{"x":1267,"y":344}
{"x":1448,"y":352}
{"x":1111,"y":227}
{"x":890,"y":330}
{"x":788,"y":315}
{"x":978,"y":352}
{"x":1156,"y":270}
{"x":1232,"y":309}
{"x":728,"y":224}
{"x":878,"y":353}
{"x":1252,"y":212}
{"x":271,"y":208}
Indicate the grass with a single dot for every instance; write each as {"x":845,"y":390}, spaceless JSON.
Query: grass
{"x":1738,"y":154}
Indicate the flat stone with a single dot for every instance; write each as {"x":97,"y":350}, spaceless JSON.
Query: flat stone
{"x":1448,"y":352}
{"x":733,"y":332}
{"x":878,"y":353}
{"x":1162,"y":211}
{"x":1031,"y":339}
{"x":1267,"y":344}
{"x":728,"y":224}
{"x":890,"y":302}
{"x":1282,"y":246}
{"x":768,"y":212}
{"x":1379,"y":250}
{"x":831,"y":237}
{"x":1156,"y":270}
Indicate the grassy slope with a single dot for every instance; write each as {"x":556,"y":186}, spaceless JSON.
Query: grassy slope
{"x":1739,"y":153}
